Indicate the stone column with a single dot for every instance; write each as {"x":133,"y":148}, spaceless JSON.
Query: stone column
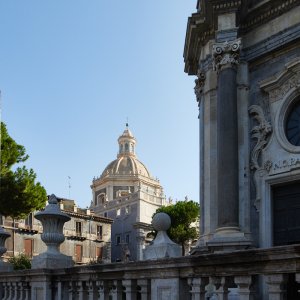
{"x":226,"y":59}
{"x":199,"y":87}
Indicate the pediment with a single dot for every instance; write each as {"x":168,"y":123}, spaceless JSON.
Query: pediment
{"x":279,"y":85}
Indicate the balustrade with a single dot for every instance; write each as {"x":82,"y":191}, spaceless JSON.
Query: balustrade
{"x":209,"y":276}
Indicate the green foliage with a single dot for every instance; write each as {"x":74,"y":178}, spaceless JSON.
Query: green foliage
{"x":19,"y":194}
{"x":20,"y":262}
{"x":182,"y":215}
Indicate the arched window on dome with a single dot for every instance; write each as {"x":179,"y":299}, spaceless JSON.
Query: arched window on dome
{"x":100,"y":199}
{"x":121,"y":148}
{"x":126,"y":147}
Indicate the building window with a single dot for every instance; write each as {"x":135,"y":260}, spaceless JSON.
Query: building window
{"x":127,"y":238}
{"x":78,"y":228}
{"x":127,"y":209}
{"x":28,"y":247}
{"x":28,"y":221}
{"x":78,"y":253}
{"x":126,"y":147}
{"x":118,"y":239}
{"x":105,"y":214}
{"x":100,"y":199}
{"x":99,"y":232}
{"x":99,"y":253}
{"x":292,"y":125}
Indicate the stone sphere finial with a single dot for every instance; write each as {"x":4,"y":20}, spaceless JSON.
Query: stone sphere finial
{"x":52,"y":199}
{"x":161,"y":221}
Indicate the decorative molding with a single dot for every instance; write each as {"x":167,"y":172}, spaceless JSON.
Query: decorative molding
{"x":262,"y":14}
{"x":270,"y":44}
{"x":226,"y":54}
{"x":261,"y":133}
{"x":199,"y":86}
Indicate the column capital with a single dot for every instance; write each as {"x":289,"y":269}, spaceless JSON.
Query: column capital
{"x":227,"y":54}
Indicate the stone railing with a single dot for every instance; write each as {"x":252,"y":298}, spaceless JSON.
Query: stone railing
{"x":275,"y":272}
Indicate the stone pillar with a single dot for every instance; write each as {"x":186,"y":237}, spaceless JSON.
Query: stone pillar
{"x":130,"y":289}
{"x":228,"y":235}
{"x":244,"y":285}
{"x":276,"y":286}
{"x":198,"y":287}
{"x":199,"y":87}
{"x":144,"y":284}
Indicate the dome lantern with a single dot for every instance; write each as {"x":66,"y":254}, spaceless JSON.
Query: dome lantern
{"x":126,"y":143}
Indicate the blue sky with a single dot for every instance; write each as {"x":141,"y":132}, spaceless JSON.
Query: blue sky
{"x":73,"y":71}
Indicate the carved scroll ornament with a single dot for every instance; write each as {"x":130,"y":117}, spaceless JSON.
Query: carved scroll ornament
{"x":199,"y":85}
{"x":226,"y":54}
{"x":261,"y":133}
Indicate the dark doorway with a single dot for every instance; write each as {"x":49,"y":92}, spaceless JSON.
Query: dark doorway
{"x":286,"y":214}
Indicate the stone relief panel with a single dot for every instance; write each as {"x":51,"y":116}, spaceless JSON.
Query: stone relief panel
{"x":261,"y":133}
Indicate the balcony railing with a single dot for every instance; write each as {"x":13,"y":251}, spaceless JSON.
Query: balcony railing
{"x":249,"y":274}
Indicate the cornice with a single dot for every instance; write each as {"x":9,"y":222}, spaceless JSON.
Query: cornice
{"x":198,"y":32}
{"x":202,"y":25}
{"x":262,"y":14}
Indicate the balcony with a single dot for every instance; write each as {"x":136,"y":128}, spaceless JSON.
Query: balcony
{"x":264,"y":274}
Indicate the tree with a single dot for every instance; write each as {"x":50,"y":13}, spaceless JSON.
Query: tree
{"x":20,"y":262}
{"x":19,"y":194}
{"x":182,"y":215}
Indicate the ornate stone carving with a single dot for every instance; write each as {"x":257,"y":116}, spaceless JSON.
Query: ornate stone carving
{"x":261,"y":133}
{"x":226,"y":54}
{"x":199,"y":85}
{"x":279,"y":92}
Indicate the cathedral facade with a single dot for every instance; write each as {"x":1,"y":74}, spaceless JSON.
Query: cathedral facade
{"x":128,"y":194}
{"x":246,"y":56}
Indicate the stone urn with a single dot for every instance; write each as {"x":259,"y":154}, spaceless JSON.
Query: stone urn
{"x":4,"y":266}
{"x":53,"y":220}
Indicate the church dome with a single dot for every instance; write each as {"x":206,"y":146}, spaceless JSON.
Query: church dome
{"x":126,"y":162}
{"x":126,"y":165}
